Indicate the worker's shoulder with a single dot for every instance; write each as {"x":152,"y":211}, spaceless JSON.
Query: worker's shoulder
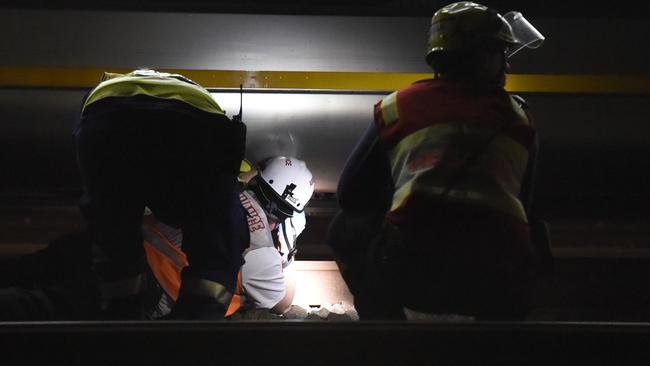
{"x":520,"y":107}
{"x":519,"y":101}
{"x":419,"y":87}
{"x":153,"y":78}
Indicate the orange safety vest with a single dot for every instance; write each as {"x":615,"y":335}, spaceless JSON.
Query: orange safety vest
{"x":430,"y":130}
{"x":166,"y":261}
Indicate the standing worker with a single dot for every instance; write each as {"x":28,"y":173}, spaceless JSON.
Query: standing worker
{"x":445,"y":174}
{"x":160,"y":140}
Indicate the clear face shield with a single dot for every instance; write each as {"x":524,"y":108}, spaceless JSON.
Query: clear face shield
{"x":525,"y":34}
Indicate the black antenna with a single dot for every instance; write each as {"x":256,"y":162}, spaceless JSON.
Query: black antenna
{"x":238,"y":117}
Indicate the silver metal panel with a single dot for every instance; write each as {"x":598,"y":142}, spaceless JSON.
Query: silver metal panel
{"x":298,"y":43}
{"x":321,"y":129}
{"x":36,"y":151}
{"x":36,"y":143}
{"x":211,"y":41}
{"x":594,"y":145}
{"x":591,"y":145}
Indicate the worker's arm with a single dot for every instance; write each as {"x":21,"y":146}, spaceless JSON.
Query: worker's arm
{"x":290,"y":288}
{"x":539,"y":230}
{"x":264,"y":282}
{"x":366,"y":184}
{"x":528,"y":183}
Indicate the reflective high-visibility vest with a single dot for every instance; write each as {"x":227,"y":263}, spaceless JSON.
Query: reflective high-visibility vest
{"x":166,"y":259}
{"x":156,"y":85}
{"x":431,"y":129}
{"x":164,"y":256}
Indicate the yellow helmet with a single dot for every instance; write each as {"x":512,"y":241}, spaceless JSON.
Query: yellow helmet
{"x":463,"y":25}
{"x":245,"y":166}
{"x":247,"y":171}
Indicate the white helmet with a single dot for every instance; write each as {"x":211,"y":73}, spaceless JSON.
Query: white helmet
{"x":290,"y":181}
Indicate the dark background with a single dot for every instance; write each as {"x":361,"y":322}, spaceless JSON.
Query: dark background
{"x":536,"y":8}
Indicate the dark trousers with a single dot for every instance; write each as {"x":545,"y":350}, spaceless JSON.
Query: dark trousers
{"x":385,"y":272}
{"x":180,"y":162}
{"x":58,"y":283}
{"x":369,"y":263}
{"x":55,"y":283}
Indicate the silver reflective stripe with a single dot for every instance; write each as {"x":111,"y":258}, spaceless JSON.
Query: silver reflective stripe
{"x":203,"y":287}
{"x":159,"y":244}
{"x":123,"y":288}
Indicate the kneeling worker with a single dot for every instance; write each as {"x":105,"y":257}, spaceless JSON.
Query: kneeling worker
{"x":274,"y":200}
{"x":436,"y":197}
{"x":34,"y":287}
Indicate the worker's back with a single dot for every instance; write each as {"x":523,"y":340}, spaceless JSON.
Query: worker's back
{"x":159,"y":140}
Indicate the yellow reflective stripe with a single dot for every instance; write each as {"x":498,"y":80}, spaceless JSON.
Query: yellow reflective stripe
{"x":503,"y":202}
{"x":439,"y":132}
{"x":389,"y":111}
{"x":492,"y":192}
{"x":401,"y":194}
{"x":61,"y":77}
{"x":168,"y":88}
{"x":442,"y":131}
{"x":512,"y":150}
{"x":607,"y":84}
{"x":203,"y":287}
{"x":398,"y":156}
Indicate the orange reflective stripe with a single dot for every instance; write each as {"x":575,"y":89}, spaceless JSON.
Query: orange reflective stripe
{"x":166,"y":269}
{"x":235,"y":303}
{"x":166,"y":262}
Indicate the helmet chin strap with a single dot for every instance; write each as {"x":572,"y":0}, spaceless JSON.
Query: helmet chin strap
{"x":291,"y":245}
{"x":271,"y":207}
{"x":275,"y":211}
